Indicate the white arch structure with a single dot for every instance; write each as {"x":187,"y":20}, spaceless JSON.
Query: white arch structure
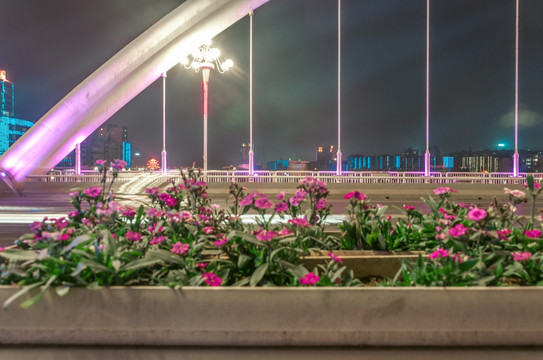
{"x":117,"y":82}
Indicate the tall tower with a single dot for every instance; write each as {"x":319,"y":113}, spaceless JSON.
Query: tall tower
{"x":7,"y":96}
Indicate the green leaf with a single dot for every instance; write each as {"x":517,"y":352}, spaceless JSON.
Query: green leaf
{"x":165,"y":256}
{"x":140,"y":263}
{"x":77,"y":241}
{"x":242,"y":282}
{"x":108,"y":241}
{"x":258,"y":274}
{"x":19,"y":255}
{"x":467,"y":265}
{"x":243,"y":260}
{"x":21,"y":292}
{"x":116,"y":264}
{"x":28,"y":303}
{"x":93,"y":286}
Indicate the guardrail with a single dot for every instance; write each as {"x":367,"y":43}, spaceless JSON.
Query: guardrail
{"x":260,"y":176}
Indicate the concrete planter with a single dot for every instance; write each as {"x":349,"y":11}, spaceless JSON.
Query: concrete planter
{"x":364,"y":263}
{"x":278,"y":317}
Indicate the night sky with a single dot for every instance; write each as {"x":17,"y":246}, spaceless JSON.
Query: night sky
{"x":48,"y":47}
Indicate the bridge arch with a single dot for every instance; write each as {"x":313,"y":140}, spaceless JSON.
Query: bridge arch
{"x":116,"y":82}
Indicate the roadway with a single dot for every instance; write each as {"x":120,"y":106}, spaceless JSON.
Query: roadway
{"x":51,"y":200}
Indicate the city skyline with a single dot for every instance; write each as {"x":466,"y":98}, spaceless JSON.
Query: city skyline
{"x":383,"y":67}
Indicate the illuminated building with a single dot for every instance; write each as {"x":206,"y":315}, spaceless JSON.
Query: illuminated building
{"x":11,"y":129}
{"x":326,"y":160}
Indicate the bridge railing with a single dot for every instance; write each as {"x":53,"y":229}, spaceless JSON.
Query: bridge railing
{"x":286,"y":176}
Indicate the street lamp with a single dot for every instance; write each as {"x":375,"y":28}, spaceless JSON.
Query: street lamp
{"x":206,"y":58}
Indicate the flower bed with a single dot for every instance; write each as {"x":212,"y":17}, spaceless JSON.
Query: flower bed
{"x":105,"y":243}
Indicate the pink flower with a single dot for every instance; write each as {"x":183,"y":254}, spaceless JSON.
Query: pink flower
{"x":101,"y":162}
{"x":263,"y":203}
{"x":180,"y":248}
{"x":152,"y":191}
{"x":477,"y":214}
{"x":280,"y":196}
{"x":463,"y":205}
{"x":127,"y":211}
{"x":265,"y":235}
{"x":201,"y":265}
{"x":321,"y":204}
{"x":73,"y":214}
{"x":133,"y":236}
{"x":537,"y":185}
{"x":61,"y":223}
{"x":457,"y":258}
{"x":335,"y":258}
{"x":439,"y":253}
{"x":294,"y":201}
{"x":93,"y":192}
{"x":152,"y":212}
{"x":215,"y":206}
{"x":281,"y":207}
{"x":409,"y":207}
{"x":220,"y":242}
{"x":300,"y":194}
{"x":118,"y":164}
{"x":310,"y":279}
{"x":248,"y":200}
{"x":154,"y":228}
{"x":164,"y":196}
{"x":516,"y":194}
{"x":502,"y":234}
{"x":212,"y":279}
{"x":87,"y":222}
{"x":521,"y":256}
{"x":285,"y":231}
{"x":299,"y":222}
{"x":355,"y":194}
{"x":458,"y":230}
{"x":533,"y":233}
{"x":208,"y":230}
{"x":442,"y":190}
{"x":157,"y":240}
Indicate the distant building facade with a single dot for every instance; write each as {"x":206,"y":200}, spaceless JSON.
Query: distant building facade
{"x":11,"y":128}
{"x":108,"y":142}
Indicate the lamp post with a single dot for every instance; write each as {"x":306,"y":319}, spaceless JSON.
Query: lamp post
{"x":427,"y":156}
{"x":516,"y":154}
{"x":339,"y":160}
{"x":206,"y":58}
{"x":164,"y":154}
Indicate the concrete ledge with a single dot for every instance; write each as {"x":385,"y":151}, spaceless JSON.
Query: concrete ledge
{"x":242,"y":317}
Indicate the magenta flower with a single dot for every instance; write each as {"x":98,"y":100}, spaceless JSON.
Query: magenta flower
{"x":335,"y":258}
{"x":157,"y":240}
{"x":294,"y":201}
{"x":93,"y":192}
{"x":310,"y":279}
{"x":265,"y":235}
{"x":220,"y":241}
{"x":477,"y":214}
{"x":281,"y":195}
{"x":152,"y":191}
{"x":355,"y":194}
{"x":180,"y":248}
{"x":516,"y":194}
{"x":537,"y":185}
{"x":281,"y":207}
{"x":118,"y":164}
{"x":185,"y":215}
{"x":300,"y":194}
{"x":285,"y":231}
{"x":409,"y":208}
{"x":458,"y":230}
{"x":522,"y":256}
{"x":127,"y":211}
{"x":212,"y":279}
{"x":155,"y":228}
{"x":164,"y":196}
{"x":442,"y":190}
{"x":101,"y":162}
{"x":299,"y":222}
{"x":263,"y":203}
{"x":533,"y":233}
{"x":133,"y":236}
{"x":457,"y":258}
{"x":502,"y":234}
{"x":73,"y":214}
{"x":61,"y":223}
{"x":201,"y":265}
{"x":439,"y":253}
{"x":320,"y":204}
{"x":248,"y":200}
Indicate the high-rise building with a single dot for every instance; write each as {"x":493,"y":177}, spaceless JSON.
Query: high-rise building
{"x":108,"y":142}
{"x":326,"y":158}
{"x":11,"y":128}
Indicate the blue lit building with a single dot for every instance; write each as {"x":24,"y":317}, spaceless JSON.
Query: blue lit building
{"x":11,"y":128}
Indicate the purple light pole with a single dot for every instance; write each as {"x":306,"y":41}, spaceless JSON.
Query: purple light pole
{"x":427,"y":156}
{"x":164,"y":154}
{"x":339,"y":155}
{"x":251,"y":153}
{"x":206,"y":58}
{"x":78,"y":158}
{"x":516,"y":155}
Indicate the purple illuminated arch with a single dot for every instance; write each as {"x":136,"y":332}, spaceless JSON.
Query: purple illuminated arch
{"x":117,"y":82}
